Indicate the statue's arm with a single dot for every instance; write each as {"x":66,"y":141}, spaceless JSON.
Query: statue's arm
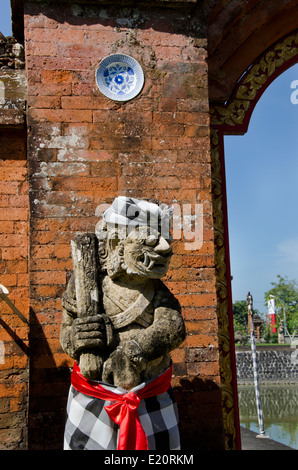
{"x":166,"y":333}
{"x":90,"y":332}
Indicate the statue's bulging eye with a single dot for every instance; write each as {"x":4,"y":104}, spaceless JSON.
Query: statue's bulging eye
{"x":151,"y":240}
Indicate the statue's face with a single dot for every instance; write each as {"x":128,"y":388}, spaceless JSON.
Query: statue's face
{"x":146,"y":253}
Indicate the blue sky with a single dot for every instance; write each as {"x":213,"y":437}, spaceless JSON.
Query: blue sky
{"x":5,"y":22}
{"x":262,"y":186}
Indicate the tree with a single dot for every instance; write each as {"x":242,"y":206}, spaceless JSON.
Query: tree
{"x":285,"y":293}
{"x":240,"y":315}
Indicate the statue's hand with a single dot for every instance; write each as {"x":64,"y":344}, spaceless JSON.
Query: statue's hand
{"x":89,"y":333}
{"x":119,"y":370}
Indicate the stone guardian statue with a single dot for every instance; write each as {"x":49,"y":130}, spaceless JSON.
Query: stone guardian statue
{"x":120,"y":323}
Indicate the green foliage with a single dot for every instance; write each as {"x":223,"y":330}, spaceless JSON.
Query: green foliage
{"x":240,"y":313}
{"x":285,"y":292}
{"x":269,"y":337}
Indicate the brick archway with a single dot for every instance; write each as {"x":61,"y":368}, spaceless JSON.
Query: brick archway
{"x":233,"y":118}
{"x":238,"y":33}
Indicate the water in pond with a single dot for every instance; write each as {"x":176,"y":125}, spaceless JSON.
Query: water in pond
{"x":280,"y":411}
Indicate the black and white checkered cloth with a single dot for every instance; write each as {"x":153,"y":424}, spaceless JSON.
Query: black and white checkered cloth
{"x":88,"y":426}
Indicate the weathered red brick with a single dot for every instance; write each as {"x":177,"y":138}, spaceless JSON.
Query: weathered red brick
{"x":59,"y":115}
{"x":70,"y":36}
{"x":19,"y":266}
{"x":44,"y":102}
{"x":12,"y":240}
{"x":63,"y":250}
{"x":84,"y":102}
{"x":84,"y":183}
{"x":48,"y":277}
{"x":45,"y":49}
{"x":8,"y":187}
{"x":13,"y":214}
{"x":12,"y":253}
{"x":20,"y":200}
{"x":8,"y":280}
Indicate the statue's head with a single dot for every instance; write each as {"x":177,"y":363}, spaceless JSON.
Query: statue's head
{"x":134,"y":239}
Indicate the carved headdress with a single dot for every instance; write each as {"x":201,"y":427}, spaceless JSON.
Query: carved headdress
{"x":125,"y":220}
{"x":127,"y":211}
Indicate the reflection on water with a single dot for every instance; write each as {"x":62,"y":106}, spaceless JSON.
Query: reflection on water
{"x":280,"y":411}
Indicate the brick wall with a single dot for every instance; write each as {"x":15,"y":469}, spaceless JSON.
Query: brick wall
{"x":14,"y":208}
{"x":85,"y":150}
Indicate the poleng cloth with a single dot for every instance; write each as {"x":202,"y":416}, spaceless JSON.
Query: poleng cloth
{"x":105,"y":417}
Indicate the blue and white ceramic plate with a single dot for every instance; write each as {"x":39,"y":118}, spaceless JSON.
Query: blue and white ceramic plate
{"x":120,"y":77}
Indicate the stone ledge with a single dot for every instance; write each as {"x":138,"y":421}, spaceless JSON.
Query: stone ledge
{"x":11,"y":117}
{"x":13,"y":96}
{"x":17,"y":8}
{"x":273,"y":347}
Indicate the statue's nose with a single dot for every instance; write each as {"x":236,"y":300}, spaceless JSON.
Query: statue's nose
{"x":163,"y":247}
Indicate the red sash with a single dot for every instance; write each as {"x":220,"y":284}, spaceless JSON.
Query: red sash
{"x":124,"y":411}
